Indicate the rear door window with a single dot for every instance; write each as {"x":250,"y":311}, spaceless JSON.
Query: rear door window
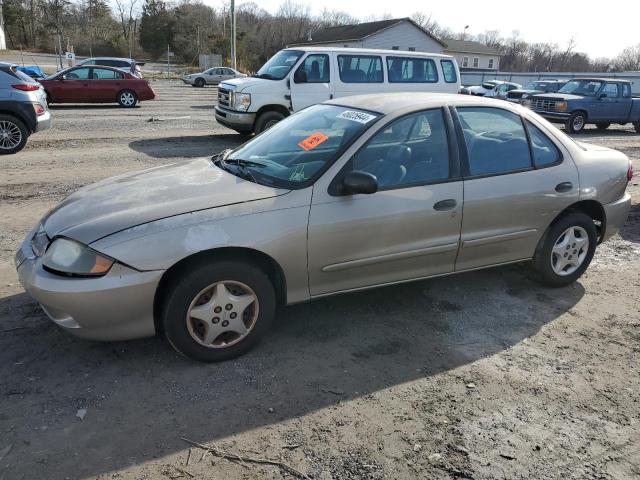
{"x":360,"y":68}
{"x":106,"y":74}
{"x":545,"y":152}
{"x":411,"y":70}
{"x":449,"y":71}
{"x":496,"y":141}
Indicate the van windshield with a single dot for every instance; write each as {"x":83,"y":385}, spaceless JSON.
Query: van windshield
{"x":278,"y":66}
{"x":293,"y":153}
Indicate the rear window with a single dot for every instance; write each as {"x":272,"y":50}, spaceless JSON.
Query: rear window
{"x":21,"y":75}
{"x":411,"y":70}
{"x":449,"y":71}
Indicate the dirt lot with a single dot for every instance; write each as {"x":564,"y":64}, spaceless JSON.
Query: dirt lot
{"x":483,"y":375}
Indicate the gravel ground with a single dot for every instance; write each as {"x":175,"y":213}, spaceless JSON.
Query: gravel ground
{"x":482,"y":375}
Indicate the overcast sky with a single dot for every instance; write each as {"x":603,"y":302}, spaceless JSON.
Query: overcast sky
{"x":600,"y":28}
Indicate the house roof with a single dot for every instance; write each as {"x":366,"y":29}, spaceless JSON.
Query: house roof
{"x":469,"y":46}
{"x":359,"y":31}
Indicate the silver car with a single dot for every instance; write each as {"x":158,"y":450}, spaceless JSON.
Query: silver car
{"x":350,"y":194}
{"x":212,"y":76}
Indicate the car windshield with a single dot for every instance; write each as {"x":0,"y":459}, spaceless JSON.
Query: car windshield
{"x":535,"y":86}
{"x":295,"y":151}
{"x":587,"y":88}
{"x":278,"y":66}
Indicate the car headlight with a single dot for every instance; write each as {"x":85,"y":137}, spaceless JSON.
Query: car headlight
{"x":72,"y":258}
{"x":561,"y":106}
{"x":241,"y":101}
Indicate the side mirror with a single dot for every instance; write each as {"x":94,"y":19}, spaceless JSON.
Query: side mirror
{"x":602,"y":95}
{"x":357,"y":181}
{"x":300,"y":76}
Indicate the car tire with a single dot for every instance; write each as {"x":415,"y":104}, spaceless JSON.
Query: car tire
{"x":603,"y":125}
{"x":13,"y":134}
{"x":199,"y":82}
{"x":267,"y":120}
{"x":576,"y":122}
{"x":186,"y":327}
{"x":566,"y":250}
{"x":127,"y":99}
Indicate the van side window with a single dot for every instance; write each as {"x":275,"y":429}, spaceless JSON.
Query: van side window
{"x":316,"y":66}
{"x":544,"y":151}
{"x":360,"y":68}
{"x":496,"y":140}
{"x":449,"y":71}
{"x":411,"y":70}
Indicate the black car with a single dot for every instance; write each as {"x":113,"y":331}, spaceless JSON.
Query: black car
{"x":539,"y":86}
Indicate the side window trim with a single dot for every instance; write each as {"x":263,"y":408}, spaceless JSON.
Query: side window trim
{"x":464,"y":153}
{"x":454,"y":156}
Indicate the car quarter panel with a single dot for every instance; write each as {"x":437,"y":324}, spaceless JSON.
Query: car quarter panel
{"x":274,"y":226}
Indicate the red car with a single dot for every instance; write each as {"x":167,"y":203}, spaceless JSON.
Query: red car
{"x":89,"y":84}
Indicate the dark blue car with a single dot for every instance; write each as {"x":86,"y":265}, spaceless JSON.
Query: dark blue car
{"x":580,"y":101}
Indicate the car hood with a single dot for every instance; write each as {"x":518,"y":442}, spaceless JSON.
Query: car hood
{"x":249,"y":84}
{"x":117,"y":203}
{"x":559,"y":96}
{"x":477,"y":88}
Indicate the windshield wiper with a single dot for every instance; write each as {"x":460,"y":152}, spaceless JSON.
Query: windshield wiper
{"x":245,"y":163}
{"x":266,"y":76}
{"x":242,"y":169}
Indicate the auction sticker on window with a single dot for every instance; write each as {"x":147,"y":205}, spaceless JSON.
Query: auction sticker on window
{"x":312,"y":141}
{"x":360,"y":117}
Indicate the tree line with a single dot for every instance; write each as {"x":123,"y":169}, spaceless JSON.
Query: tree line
{"x":146,"y":28}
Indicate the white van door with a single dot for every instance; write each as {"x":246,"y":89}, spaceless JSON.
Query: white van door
{"x":311,"y":81}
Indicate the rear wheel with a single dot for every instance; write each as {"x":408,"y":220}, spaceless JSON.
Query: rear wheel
{"x":566,"y":250}
{"x":576,"y":122}
{"x":219,"y":310}
{"x":127,"y":99}
{"x":199,"y":82}
{"x":603,"y":125}
{"x":13,"y":135}
{"x":267,"y":120}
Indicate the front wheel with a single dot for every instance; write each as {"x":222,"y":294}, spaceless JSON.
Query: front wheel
{"x":267,"y":120}
{"x":603,"y":125}
{"x":219,"y":310}
{"x":576,"y":122}
{"x":566,"y":250}
{"x":13,"y":135}
{"x":127,"y":99}
{"x":199,"y":82}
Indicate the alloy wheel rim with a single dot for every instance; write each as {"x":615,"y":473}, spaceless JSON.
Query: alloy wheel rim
{"x":578,"y":122}
{"x":222,"y":314}
{"x":569,"y":251}
{"x":126,"y":98}
{"x":10,"y":135}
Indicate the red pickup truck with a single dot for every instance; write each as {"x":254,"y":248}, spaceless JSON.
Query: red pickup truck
{"x":96,"y":84}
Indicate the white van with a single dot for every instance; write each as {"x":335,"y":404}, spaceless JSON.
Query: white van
{"x":295,"y":78}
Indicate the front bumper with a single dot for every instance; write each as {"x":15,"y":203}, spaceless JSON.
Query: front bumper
{"x":117,"y":306}
{"x":553,"y":116}
{"x":188,"y":81}
{"x":616,"y":214}
{"x":240,"y":121}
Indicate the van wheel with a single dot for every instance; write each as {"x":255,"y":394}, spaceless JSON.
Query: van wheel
{"x":566,"y":250}
{"x":219,"y":310}
{"x":267,"y":120}
{"x":603,"y":125}
{"x":13,"y":135}
{"x":576,"y":122}
{"x":127,"y":99}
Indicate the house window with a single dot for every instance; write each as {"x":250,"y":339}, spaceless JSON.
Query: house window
{"x":491,"y":63}
{"x":412,"y":49}
{"x":465,"y":61}
{"x":395,"y":47}
{"x":476,"y":62}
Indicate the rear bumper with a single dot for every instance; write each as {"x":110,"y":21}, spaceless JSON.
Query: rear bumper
{"x":43,"y":122}
{"x":616,"y":214}
{"x":240,"y":121}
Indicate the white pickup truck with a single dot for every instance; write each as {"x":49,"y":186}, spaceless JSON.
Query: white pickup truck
{"x":295,"y":78}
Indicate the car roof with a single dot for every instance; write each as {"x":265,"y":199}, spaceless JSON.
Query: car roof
{"x":387,"y":103}
{"x":109,"y":58}
{"x":370,"y":51}
{"x":599,"y":79}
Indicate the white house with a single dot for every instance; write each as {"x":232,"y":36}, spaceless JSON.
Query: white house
{"x":395,"y":34}
{"x":472,"y":55}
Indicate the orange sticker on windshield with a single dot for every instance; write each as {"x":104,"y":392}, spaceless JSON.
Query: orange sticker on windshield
{"x":313,"y":140}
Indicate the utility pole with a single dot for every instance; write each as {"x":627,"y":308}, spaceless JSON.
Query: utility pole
{"x":3,"y":43}
{"x":233,"y":34}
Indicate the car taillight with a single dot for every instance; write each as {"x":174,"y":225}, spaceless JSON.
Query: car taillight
{"x":40,"y":110}
{"x":26,"y":87}
{"x":630,"y":172}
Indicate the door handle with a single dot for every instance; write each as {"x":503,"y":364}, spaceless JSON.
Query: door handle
{"x":442,"y":205}
{"x":564,"y":187}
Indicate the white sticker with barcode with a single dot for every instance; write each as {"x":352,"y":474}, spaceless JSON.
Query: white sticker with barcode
{"x":355,"y":116}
